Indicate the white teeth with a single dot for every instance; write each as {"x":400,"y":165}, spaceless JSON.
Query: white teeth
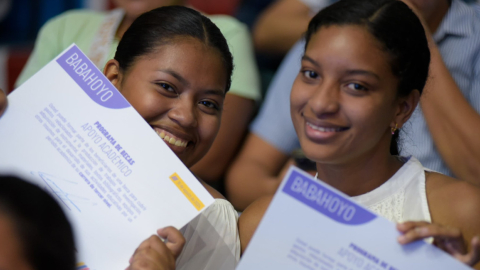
{"x":171,"y":140}
{"x":324,"y":129}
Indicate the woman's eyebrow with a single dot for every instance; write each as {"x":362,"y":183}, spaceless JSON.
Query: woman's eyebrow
{"x":215,"y":92}
{"x":362,"y":72}
{"x":306,"y":58}
{"x":348,"y":72}
{"x":177,"y":76}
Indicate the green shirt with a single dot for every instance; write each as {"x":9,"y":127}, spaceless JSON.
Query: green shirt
{"x":81,"y":27}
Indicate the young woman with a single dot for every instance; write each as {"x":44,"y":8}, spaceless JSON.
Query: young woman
{"x":97,"y":34}
{"x":364,"y":68}
{"x":174,"y":67}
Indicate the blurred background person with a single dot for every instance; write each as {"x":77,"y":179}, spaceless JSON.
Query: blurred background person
{"x":34,"y":232}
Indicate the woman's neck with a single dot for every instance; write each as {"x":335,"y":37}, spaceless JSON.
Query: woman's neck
{"x":362,"y":175}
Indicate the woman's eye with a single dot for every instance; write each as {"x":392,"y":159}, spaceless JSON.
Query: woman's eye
{"x":310,"y":74}
{"x":357,"y":87}
{"x":209,"y":104}
{"x":167,"y":87}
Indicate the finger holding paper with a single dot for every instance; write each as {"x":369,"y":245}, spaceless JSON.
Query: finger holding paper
{"x":448,"y":239}
{"x":154,"y":254}
{"x":174,"y":240}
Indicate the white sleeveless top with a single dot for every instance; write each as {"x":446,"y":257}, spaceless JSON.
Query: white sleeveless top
{"x":212,"y":240}
{"x":403,"y":197}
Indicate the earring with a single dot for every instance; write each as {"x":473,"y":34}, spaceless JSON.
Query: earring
{"x":394,"y":128}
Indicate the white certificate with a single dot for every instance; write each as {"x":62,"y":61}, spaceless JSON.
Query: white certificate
{"x":70,"y":131}
{"x":310,"y":225}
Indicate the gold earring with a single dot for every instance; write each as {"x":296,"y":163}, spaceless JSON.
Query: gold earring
{"x":394,"y":129}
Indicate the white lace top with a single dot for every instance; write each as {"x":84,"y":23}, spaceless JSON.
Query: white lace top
{"x":212,"y":240}
{"x":402,"y":197}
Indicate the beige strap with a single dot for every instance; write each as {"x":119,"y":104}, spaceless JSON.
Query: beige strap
{"x":104,"y":37}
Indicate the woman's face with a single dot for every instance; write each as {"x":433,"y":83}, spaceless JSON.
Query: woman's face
{"x":179,"y":90}
{"x":343,"y":101}
{"x":12,"y":255}
{"x":135,"y":8}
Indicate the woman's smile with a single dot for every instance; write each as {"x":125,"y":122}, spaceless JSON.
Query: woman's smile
{"x":176,"y":140}
{"x":319,"y":132}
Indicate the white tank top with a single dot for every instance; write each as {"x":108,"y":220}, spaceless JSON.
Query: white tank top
{"x":212,"y":240}
{"x":403,"y":197}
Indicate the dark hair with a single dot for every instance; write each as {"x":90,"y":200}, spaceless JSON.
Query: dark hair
{"x":44,"y":231}
{"x":162,"y":25}
{"x":396,"y":27}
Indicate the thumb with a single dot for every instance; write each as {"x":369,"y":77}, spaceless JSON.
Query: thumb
{"x":174,"y":239}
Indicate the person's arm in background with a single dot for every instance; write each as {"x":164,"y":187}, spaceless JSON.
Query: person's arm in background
{"x":280,"y":26}
{"x":256,"y":171}
{"x":46,"y":48}
{"x":452,"y":120}
{"x":283,"y":23}
{"x":240,"y":102}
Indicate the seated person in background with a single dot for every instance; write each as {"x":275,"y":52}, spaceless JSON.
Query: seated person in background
{"x":365,"y":65}
{"x":34,"y":232}
{"x":443,"y":137}
{"x":97,"y":34}
{"x":283,"y":23}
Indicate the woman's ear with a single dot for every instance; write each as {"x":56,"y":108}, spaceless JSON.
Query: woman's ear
{"x":113,"y":73}
{"x":406,"y":107}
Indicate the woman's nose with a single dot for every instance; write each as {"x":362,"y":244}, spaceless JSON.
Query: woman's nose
{"x":184,"y":112}
{"x":326,"y":100}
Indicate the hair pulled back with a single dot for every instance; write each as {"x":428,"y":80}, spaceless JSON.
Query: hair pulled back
{"x":44,"y":231}
{"x":396,"y":27}
{"x":161,"y":26}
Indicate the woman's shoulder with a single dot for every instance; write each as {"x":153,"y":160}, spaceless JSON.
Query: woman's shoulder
{"x":78,"y":16}
{"x":73,"y":25}
{"x":451,"y":199}
{"x":250,"y":218}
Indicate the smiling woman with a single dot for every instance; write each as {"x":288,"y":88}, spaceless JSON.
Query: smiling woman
{"x":364,"y":67}
{"x":173,"y":65}
{"x":181,"y":97}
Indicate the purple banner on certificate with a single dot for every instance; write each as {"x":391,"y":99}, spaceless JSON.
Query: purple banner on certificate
{"x":325,"y":200}
{"x":91,"y":79}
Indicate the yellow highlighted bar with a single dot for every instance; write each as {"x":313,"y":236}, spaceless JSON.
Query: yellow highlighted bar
{"x":187,"y":191}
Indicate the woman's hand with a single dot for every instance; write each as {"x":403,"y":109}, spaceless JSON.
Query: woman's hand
{"x":3,"y":102}
{"x":448,"y":239}
{"x":153,"y":253}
